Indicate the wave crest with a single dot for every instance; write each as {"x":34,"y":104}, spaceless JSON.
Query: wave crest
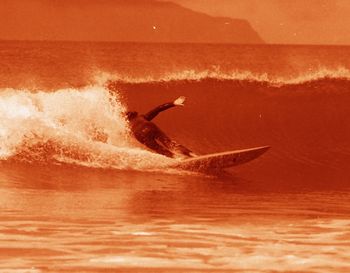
{"x":84,"y":127}
{"x":340,"y":73}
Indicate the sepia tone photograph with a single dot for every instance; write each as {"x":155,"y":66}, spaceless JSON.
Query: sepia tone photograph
{"x":174,"y":136}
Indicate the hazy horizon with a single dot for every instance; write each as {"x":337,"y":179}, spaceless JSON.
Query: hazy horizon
{"x":317,"y":22}
{"x":313,"y":22}
{"x":106,"y":20}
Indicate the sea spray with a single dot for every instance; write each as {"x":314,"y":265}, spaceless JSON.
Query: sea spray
{"x":340,"y":73}
{"x":85,"y":127}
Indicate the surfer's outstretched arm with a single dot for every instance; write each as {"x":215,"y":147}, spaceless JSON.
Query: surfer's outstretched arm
{"x":153,"y":113}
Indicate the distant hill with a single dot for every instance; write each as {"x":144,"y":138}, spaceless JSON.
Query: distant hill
{"x":118,"y":20}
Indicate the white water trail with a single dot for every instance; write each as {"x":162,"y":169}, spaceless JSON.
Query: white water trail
{"x":84,"y":127}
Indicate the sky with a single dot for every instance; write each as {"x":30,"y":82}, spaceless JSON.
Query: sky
{"x":276,"y":21}
{"x":286,"y":21}
{"x":117,"y":20}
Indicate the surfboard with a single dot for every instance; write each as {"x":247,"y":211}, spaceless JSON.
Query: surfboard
{"x":220,"y":160}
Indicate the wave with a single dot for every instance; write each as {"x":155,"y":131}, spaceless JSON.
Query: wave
{"x":307,"y":130}
{"x":340,"y":73}
{"x":306,"y":124}
{"x":69,"y":126}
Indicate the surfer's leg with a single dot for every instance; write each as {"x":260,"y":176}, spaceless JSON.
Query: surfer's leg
{"x":152,"y":144}
{"x":185,"y":151}
{"x":173,"y":145}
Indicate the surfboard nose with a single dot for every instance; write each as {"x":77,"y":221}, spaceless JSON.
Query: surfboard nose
{"x":263,"y":149}
{"x":221,"y":160}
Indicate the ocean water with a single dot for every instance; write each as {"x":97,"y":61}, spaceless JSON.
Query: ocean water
{"x":78,"y":194}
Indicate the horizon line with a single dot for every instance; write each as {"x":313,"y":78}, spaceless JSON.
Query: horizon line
{"x":155,"y":42}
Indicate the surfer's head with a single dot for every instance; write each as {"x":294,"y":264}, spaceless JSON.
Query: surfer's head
{"x":131,"y":115}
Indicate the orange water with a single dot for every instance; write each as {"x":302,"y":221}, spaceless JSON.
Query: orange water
{"x":61,"y":219}
{"x":78,"y":194}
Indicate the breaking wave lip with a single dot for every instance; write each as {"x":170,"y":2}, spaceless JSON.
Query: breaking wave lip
{"x":66,"y":127}
{"x":191,"y":75}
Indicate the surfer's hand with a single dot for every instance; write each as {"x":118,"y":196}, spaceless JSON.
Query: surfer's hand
{"x":180,"y":101}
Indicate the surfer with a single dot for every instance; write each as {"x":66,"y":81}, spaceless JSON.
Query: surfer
{"x":151,"y":136}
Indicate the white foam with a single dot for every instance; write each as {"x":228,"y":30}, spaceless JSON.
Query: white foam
{"x":84,"y":127}
{"x":239,"y":75}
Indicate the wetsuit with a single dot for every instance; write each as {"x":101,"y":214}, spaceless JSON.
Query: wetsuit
{"x":150,"y":135}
